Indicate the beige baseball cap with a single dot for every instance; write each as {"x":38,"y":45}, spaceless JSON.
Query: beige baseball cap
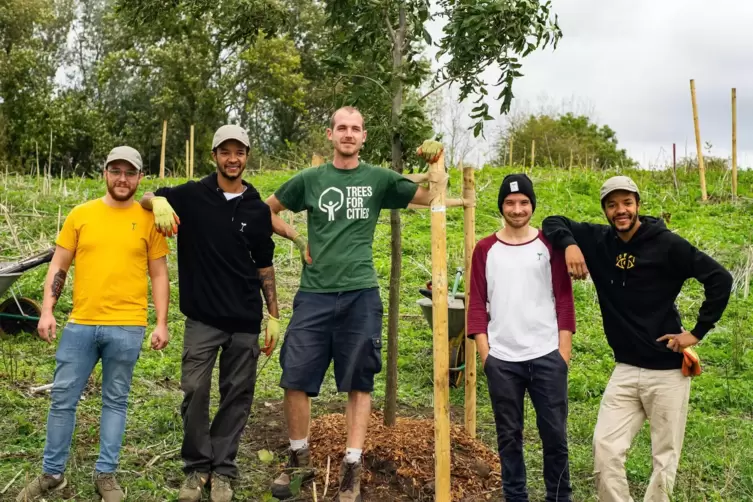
{"x":130,"y":155}
{"x":230,"y":131}
{"x":618,"y":183}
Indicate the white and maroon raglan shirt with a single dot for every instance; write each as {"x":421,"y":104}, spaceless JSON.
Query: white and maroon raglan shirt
{"x":521,"y":297}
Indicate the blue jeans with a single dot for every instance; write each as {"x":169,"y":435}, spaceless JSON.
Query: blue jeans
{"x":81,"y":346}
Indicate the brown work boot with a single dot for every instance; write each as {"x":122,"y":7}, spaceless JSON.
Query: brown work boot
{"x":108,"y":487}
{"x":350,"y":482}
{"x":190,"y":490}
{"x":42,"y":485}
{"x":299,"y":465}
{"x":222,"y":491}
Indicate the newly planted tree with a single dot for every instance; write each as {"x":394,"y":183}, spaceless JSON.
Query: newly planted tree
{"x":384,"y":42}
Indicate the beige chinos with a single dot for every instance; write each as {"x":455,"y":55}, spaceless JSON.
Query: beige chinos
{"x":632,"y":395}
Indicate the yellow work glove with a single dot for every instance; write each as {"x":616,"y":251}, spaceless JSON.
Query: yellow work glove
{"x":271,"y":336}
{"x":430,"y":150}
{"x":303,"y":248}
{"x":165,"y":218}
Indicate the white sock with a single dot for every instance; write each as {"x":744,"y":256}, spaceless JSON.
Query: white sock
{"x":353,"y":455}
{"x":299,"y":444}
{"x":57,"y":476}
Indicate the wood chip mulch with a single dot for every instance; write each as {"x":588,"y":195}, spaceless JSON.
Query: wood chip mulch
{"x":401,"y":459}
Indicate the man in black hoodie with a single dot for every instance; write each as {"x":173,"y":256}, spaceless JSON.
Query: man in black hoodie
{"x":638,"y":267}
{"x":225,"y":252}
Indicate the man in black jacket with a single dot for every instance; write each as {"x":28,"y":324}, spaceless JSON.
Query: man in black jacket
{"x":638,"y":267}
{"x":225,"y":252}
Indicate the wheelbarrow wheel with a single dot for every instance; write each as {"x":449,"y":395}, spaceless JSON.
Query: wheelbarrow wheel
{"x":457,"y":363}
{"x":12,"y":325}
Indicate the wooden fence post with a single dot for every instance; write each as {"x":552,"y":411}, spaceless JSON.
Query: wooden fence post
{"x":162,"y":152}
{"x":469,"y":231}
{"x":441,"y":341}
{"x":191,"y":152}
{"x":734,"y":144}
{"x":701,"y":168}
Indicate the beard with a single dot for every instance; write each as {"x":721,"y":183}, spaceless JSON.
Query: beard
{"x":231,"y":177}
{"x":633,"y":221}
{"x":347,"y":149}
{"x":519,"y":223}
{"x":119,"y":197}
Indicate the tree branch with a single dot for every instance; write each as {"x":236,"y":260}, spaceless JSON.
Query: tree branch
{"x":432,"y":91}
{"x":390,"y":29}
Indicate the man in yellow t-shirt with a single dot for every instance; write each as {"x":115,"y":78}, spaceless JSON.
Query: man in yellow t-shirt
{"x":116,"y":248}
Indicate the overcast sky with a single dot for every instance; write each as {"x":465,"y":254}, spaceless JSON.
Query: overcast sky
{"x":630,"y":62}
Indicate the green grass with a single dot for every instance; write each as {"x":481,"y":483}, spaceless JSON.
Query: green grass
{"x":717,"y":461}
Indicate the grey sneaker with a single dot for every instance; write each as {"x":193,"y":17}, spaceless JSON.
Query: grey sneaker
{"x":350,"y":482}
{"x":222,"y":491}
{"x":42,"y":485}
{"x":190,"y":490}
{"x":299,"y":465}
{"x":108,"y":487}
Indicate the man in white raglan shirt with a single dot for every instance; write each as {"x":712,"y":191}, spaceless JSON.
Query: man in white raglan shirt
{"x":524,"y":339}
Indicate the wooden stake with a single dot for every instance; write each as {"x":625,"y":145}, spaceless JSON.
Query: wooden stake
{"x":188,"y":158}
{"x":441,"y":341}
{"x":49,"y":165}
{"x":674,"y":168}
{"x":533,"y":152}
{"x":734,"y":144}
{"x":162,"y":153}
{"x":191,"y":151}
{"x":510,"y":151}
{"x":571,"y":161}
{"x":469,"y":231}
{"x":701,"y":168}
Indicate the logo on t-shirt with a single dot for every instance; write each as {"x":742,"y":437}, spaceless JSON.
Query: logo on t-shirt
{"x":625,"y":261}
{"x":332,"y":200}
{"x":133,"y":226}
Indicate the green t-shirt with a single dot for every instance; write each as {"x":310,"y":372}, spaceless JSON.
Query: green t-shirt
{"x":343,"y":208}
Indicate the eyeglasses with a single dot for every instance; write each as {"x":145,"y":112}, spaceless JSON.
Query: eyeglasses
{"x":130,"y":173}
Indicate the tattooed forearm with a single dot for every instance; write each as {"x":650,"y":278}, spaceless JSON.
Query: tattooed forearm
{"x":58,"y":282}
{"x":269,"y":288}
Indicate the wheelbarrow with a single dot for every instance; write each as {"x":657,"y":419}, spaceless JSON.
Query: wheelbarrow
{"x":455,"y":326}
{"x":17,"y":313}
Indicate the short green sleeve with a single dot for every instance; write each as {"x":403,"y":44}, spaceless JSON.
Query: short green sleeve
{"x":400,"y":191}
{"x":292,"y":193}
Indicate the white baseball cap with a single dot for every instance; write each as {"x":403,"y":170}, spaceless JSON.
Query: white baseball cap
{"x":230,"y":131}
{"x":130,"y":155}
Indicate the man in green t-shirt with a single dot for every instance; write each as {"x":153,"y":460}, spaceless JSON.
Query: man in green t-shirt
{"x":337,"y":312}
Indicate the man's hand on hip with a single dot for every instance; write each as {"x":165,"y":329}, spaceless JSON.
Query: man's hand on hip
{"x":576,"y":262}
{"x":271,"y":336}
{"x":165,"y":218}
{"x":678,"y":343}
{"x":160,"y":337}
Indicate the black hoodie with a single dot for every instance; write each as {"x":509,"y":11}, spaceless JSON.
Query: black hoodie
{"x":638,"y":282}
{"x":221,"y":245}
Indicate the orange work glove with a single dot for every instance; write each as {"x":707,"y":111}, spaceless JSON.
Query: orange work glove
{"x":691,"y":363}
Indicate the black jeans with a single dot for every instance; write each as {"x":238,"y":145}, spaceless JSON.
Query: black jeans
{"x":546,"y":381}
{"x":213,"y":448}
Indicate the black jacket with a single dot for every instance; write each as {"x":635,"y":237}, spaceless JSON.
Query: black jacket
{"x":638,"y":282}
{"x":221,"y":245}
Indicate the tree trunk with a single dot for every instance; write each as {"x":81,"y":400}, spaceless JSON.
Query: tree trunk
{"x":393,"y":313}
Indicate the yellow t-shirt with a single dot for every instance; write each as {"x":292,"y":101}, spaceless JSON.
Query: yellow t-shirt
{"x":112,"y":248}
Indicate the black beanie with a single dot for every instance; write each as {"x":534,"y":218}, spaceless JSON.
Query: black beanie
{"x":516,"y":183}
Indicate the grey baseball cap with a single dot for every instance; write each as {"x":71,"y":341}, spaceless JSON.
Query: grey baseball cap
{"x":618,"y":183}
{"x":230,"y":131}
{"x":130,"y":155}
